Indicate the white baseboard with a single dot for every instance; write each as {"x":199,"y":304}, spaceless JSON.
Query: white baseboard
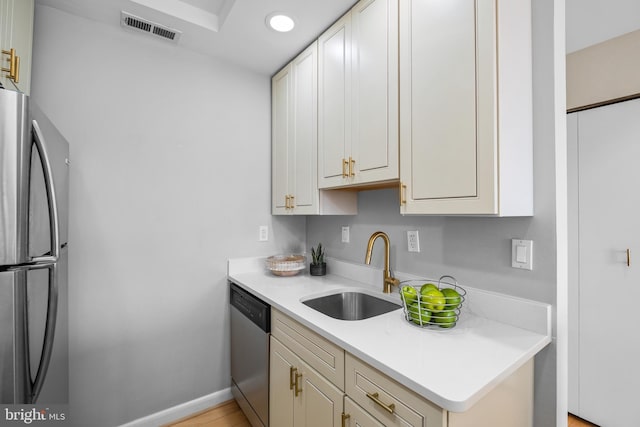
{"x":183,"y":410}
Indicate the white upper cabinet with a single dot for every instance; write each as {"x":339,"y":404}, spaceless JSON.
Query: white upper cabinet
{"x":295,"y":143}
{"x":466,"y":107}
{"x":16,"y":39}
{"x":294,"y":127}
{"x":358,"y":97}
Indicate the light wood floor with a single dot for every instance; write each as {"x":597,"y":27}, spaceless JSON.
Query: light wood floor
{"x":228,"y":414}
{"x":579,"y":422}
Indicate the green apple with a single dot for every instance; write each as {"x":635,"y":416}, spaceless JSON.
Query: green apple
{"x":409,"y":294}
{"x":427,"y":287}
{"x":444,"y":319}
{"x":418,"y":315}
{"x":433,"y":299}
{"x":452,"y":298}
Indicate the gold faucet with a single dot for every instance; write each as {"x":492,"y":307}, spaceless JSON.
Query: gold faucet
{"x":388,"y":281}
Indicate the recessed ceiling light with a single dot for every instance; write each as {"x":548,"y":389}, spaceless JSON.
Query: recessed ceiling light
{"x":280,"y":22}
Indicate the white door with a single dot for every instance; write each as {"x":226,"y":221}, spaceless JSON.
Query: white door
{"x":607,"y":348}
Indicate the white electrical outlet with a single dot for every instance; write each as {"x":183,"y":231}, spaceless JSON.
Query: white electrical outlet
{"x":345,"y":234}
{"x":263,"y":233}
{"x":413,"y":241}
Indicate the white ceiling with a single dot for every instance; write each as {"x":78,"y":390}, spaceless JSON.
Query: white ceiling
{"x":594,"y":21}
{"x":242,"y":37}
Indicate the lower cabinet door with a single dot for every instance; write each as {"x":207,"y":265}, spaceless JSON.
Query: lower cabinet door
{"x":355,"y":416}
{"x":321,"y":400}
{"x":298,"y":394}
{"x":282,"y":365}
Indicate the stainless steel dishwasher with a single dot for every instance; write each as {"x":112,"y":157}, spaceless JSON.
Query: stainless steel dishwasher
{"x":250,"y":327}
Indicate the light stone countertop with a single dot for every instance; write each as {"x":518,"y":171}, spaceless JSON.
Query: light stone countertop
{"x":453,"y":368}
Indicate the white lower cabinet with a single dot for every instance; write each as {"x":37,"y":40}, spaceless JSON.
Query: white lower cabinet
{"x":313,"y":382}
{"x":389,"y":402}
{"x":299,"y":395}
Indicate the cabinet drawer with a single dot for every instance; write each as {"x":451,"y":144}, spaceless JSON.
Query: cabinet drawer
{"x":319,"y":353}
{"x":389,"y":402}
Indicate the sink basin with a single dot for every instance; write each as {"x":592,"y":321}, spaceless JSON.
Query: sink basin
{"x":351,"y":305}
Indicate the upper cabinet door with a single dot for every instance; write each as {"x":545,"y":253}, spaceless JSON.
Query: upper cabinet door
{"x":374,"y":82}
{"x":358,"y":97}
{"x":304,"y":130}
{"x":465,"y":102}
{"x":280,"y":139}
{"x":16,"y":35}
{"x":294,"y":136}
{"x":439,"y":98}
{"x":334,"y":103}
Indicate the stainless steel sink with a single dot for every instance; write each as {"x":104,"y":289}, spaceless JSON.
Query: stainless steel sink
{"x":351,"y":305}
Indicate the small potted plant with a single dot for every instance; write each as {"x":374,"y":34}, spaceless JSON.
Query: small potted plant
{"x":318,"y":267}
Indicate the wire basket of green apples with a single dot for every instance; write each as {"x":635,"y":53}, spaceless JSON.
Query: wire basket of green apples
{"x":430,"y":305}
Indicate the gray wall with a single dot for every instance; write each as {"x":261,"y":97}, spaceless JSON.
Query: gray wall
{"x":170,"y":176}
{"x":477,"y":251}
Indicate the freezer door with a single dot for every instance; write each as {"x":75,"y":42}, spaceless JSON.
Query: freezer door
{"x":28,"y":323}
{"x":15,"y":386}
{"x":15,"y":155}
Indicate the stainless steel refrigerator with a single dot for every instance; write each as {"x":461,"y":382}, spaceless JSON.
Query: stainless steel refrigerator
{"x":33,"y":255}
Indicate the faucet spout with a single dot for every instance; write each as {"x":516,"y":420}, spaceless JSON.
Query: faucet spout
{"x":388,"y":280}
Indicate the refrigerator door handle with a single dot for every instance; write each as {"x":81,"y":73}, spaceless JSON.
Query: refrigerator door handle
{"x":49,"y":332}
{"x":47,"y":261}
{"x":51,"y":197}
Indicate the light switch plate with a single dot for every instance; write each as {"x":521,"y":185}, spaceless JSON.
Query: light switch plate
{"x":345,"y":234}
{"x":263,"y":233}
{"x":522,"y":254}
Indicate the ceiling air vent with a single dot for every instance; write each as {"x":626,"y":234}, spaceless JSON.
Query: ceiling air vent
{"x":128,"y":20}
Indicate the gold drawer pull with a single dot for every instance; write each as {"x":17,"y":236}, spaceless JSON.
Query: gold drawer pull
{"x":352,"y":164}
{"x":298,"y":390}
{"x":292,"y":373}
{"x":291,"y":204}
{"x":389,"y":408}
{"x":345,"y":166}
{"x":345,"y":417}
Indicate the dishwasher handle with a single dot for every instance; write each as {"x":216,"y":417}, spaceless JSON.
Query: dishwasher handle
{"x":250,"y":306}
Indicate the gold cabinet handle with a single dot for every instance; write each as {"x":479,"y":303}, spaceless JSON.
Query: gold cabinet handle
{"x":345,"y":166}
{"x":403,"y":194}
{"x":292,"y":373}
{"x":345,"y":417}
{"x":286,"y":202}
{"x":352,"y":164}
{"x":16,"y":68}
{"x":628,"y":257}
{"x":14,"y":65}
{"x":297,"y":390}
{"x":291,"y":203}
{"x":375,"y":397}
